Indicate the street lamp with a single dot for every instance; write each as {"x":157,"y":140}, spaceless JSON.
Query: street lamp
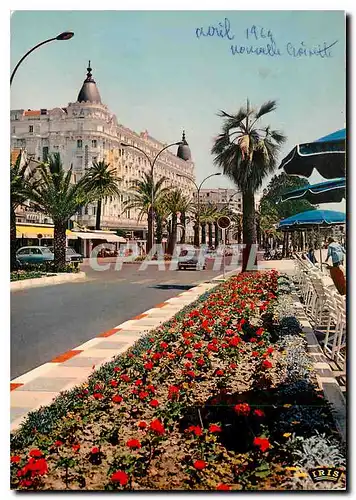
{"x":197,"y":236}
{"x":66,"y":35}
{"x":152,"y":164}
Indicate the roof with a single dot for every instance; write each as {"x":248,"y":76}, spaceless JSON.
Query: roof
{"x":89,"y":91}
{"x":32,"y":112}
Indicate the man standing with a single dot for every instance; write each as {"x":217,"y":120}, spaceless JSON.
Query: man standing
{"x":337,"y":252}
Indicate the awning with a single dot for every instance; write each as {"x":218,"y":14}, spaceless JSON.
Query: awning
{"x":114,"y":238}
{"x":323,"y":192}
{"x":89,"y":236}
{"x":45,"y":232}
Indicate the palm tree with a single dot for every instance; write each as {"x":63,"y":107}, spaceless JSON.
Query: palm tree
{"x":21,"y":179}
{"x":247,"y":154}
{"x":175,"y":203}
{"x":102,"y":182}
{"x":208,"y":215}
{"x":55,"y":195}
{"x":140,"y":199}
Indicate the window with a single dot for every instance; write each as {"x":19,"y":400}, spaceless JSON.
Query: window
{"x":24,"y":251}
{"x":35,"y":251}
{"x":79,"y":143}
{"x":30,"y":129}
{"x":13,"y":130}
{"x":94,"y":143}
{"x":45,"y":153}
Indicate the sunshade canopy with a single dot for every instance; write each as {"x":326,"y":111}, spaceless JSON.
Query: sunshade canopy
{"x":313,"y":218}
{"x":326,"y":155}
{"x":324,"y":192}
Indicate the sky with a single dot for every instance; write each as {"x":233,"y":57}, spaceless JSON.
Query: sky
{"x":157,"y":71}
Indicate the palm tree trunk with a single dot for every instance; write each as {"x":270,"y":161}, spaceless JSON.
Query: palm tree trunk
{"x":216,"y":229}
{"x":159,"y":229}
{"x":98,"y":216}
{"x":183,"y":223}
{"x":59,"y":243}
{"x":210,"y":234}
{"x":196,"y":235}
{"x":149,"y":232}
{"x":173,"y":238}
{"x":203,"y":233}
{"x":13,"y":237}
{"x":248,"y":226}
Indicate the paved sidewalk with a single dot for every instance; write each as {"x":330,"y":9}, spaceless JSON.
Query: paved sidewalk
{"x":41,"y":385}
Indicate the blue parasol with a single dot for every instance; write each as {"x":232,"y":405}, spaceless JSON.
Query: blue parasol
{"x":313,"y":218}
{"x":324,"y":192}
{"x":326,"y":155}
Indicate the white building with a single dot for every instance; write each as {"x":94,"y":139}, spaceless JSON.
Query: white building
{"x":221,"y":197}
{"x":86,"y":131}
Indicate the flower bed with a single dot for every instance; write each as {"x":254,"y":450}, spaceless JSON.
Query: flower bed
{"x":222,"y":397}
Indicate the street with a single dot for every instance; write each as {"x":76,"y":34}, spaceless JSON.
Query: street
{"x":51,"y":320}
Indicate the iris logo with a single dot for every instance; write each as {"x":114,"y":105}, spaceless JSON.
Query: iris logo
{"x":325,"y":474}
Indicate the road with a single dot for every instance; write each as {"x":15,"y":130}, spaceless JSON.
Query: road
{"x":51,"y":320}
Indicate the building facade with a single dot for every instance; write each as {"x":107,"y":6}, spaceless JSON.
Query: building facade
{"x":85,"y":131}
{"x":222,"y":197}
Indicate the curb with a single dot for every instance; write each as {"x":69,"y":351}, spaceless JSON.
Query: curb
{"x":40,"y":386}
{"x":326,"y":381}
{"x":50,"y":280}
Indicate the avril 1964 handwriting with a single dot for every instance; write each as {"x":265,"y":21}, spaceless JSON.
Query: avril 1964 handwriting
{"x":260,"y":41}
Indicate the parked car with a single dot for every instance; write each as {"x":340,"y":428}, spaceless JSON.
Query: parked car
{"x":71,"y":255}
{"x":197,"y":261}
{"x":34,"y":255}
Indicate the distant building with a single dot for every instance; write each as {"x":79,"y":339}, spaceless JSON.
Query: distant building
{"x":87,"y":131}
{"x":221,"y":197}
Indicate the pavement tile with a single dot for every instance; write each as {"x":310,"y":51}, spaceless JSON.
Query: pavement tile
{"x":109,"y":332}
{"x":64,"y":357}
{"x":15,"y":386}
{"x":150,"y":321}
{"x":18,"y":413}
{"x":83,"y":361}
{"x":70,"y":372}
{"x":31,"y":399}
{"x":112,"y":345}
{"x":98,"y":353}
{"x":47,"y":384}
{"x":36,"y":372}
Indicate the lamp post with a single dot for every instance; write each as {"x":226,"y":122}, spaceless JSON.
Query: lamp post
{"x":66,"y":35}
{"x":152,"y":164}
{"x":197,"y":238}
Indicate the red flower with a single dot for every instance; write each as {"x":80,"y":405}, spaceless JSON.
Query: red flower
{"x":187,"y":342}
{"x":259,"y":332}
{"x":267,"y":364}
{"x":229,"y":332}
{"x":25,"y":483}
{"x":58,"y":444}
{"x":253,"y":339}
{"x":270,"y":350}
{"x":242,"y":321}
{"x":219,"y":373}
{"x":154,"y":403}
{"x":214,"y":428}
{"x":148,"y":366}
{"x":191,"y":374}
{"x":15,"y":459}
{"x":195,"y":429}
{"x":189,"y":355}
{"x":233,"y":366}
{"x":242,"y":409}
{"x":117,"y":399}
{"x":200,"y":464}
{"x":163,"y":345}
{"x":116,"y":369}
{"x":173,"y":389}
{"x":223,"y":487}
{"x":150,"y":388}
{"x":157,"y":426}
{"x":97,"y":395}
{"x":156,"y":355}
{"x":37,"y":467}
{"x":133,"y":443}
{"x":198,"y":345}
{"x":234,"y":341}
{"x":113,"y":383}
{"x":120,"y":477}
{"x":125,"y":378}
{"x":142,"y":425}
{"x":259,"y":413}
{"x":262,"y":443}
{"x":138,"y":382}
{"x":200,"y":362}
{"x":143,"y":395}
{"x":95,"y":451}
{"x":76,"y":447}
{"x":35,"y":453}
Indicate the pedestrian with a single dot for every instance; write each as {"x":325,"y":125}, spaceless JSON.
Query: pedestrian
{"x":311,"y":255}
{"x":337,"y":253}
